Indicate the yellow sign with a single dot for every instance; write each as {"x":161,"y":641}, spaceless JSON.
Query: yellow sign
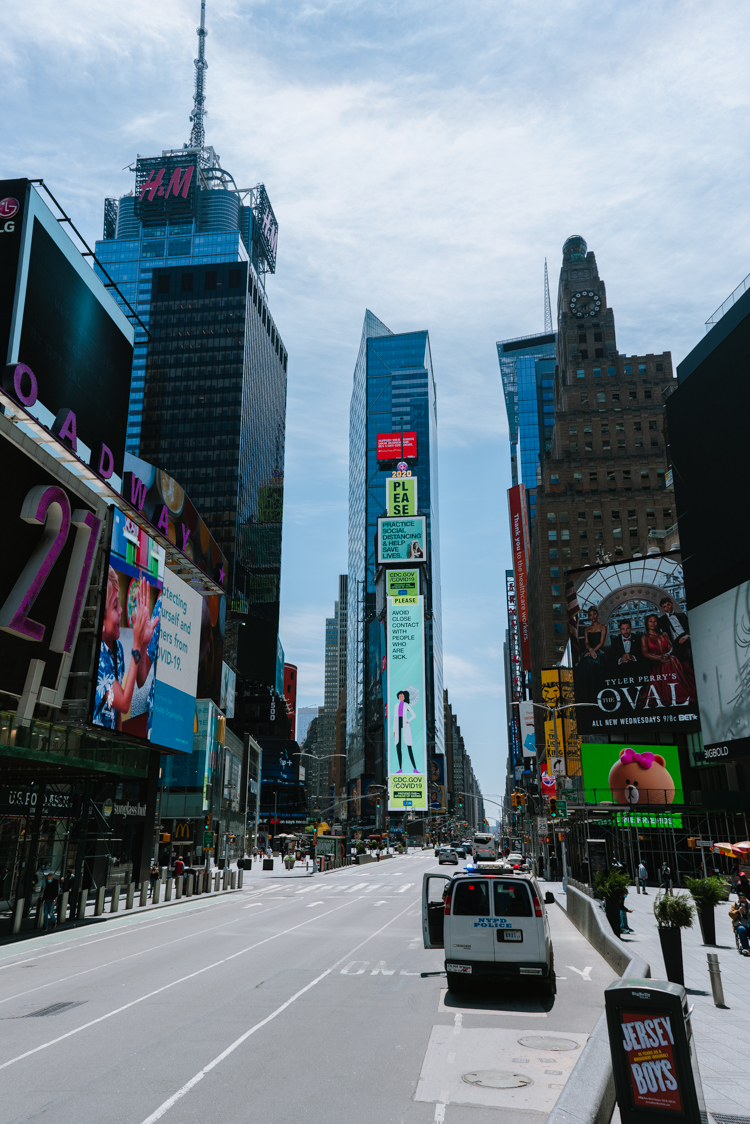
{"x":561,"y":740}
{"x":408,"y":790}
{"x":401,"y":496}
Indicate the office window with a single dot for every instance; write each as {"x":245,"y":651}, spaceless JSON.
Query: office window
{"x":548,"y":382}
{"x":610,"y":370}
{"x":644,"y":473}
{"x":588,"y":446}
{"x":634,"y":532}
{"x":597,"y":516}
{"x":186,"y":284}
{"x":653,"y":424}
{"x":563,"y":517}
{"x":553,"y":552}
{"x":615,"y":515}
{"x":615,"y":396}
{"x":633,"y":395}
{"x":628,"y":370}
{"x":565,"y":534}
{"x":584,"y":398}
{"x":626,"y":473}
{"x":581,"y":337}
{"x":637,"y":426}
{"x":211,"y":279}
{"x":610,"y":474}
{"x":592,"y":478}
{"x":235,"y":278}
{"x":654,"y":442}
{"x":572,"y":429}
{"x":577,"y":476}
{"x":554,"y":571}
{"x":558,"y":627}
{"x":597,"y":370}
{"x":598,"y":353}
{"x":552,"y":536}
{"x":617,"y":532}
{"x":581,"y":373}
{"x":573,"y":446}
{"x":557,"y":609}
{"x":606,"y":446}
{"x":548,"y":396}
{"x":556,"y":590}
{"x":631,"y":513}
{"x":650,"y":513}
{"x":647,"y":393}
{"x":598,"y":535}
{"x":639,"y":442}
{"x":581,"y":516}
{"x":660,"y":366}
{"x":583,"y":534}
{"x":588,"y":429}
{"x":566,"y":554}
{"x":162,"y":283}
{"x":666,"y":512}
{"x":584,"y":353}
{"x":584,"y":552}
{"x":601,"y":397}
{"x":551,"y":517}
{"x":641,"y":368}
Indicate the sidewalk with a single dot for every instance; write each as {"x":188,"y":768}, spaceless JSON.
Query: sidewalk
{"x":722,"y":1036}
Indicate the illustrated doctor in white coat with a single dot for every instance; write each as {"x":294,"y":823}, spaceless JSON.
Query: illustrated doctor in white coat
{"x":402,"y":716}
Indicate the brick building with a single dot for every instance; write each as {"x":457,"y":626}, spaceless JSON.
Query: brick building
{"x":602,"y":484}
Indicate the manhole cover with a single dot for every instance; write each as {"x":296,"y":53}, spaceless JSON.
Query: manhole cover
{"x":496,"y":1079}
{"x":544,"y":1042}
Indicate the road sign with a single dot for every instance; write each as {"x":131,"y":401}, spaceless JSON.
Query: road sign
{"x":208,"y":839}
{"x":541,"y":824}
{"x":703,"y":843}
{"x":562,"y":807}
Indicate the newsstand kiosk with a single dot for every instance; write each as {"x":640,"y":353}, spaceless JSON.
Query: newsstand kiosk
{"x":653,"y":1053}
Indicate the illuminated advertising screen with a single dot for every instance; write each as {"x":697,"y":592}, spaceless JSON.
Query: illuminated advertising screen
{"x":405,"y":706}
{"x":526,"y":724}
{"x":437,"y":783}
{"x":396,"y":446}
{"x":631,"y":647}
{"x":51,"y":535}
{"x":634,"y":776}
{"x":719,"y":633}
{"x":57,"y":318}
{"x":228,"y":689}
{"x":402,"y":540}
{"x":165,"y":187}
{"x":177,"y":664}
{"x":520,"y":546}
{"x":401,"y":495}
{"x":129,"y":643}
{"x":402,"y":583}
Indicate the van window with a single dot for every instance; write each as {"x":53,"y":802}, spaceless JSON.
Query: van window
{"x":471,"y":898}
{"x":512,"y":900}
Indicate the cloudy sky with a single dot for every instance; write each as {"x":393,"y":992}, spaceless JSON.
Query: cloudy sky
{"x":423,"y":157}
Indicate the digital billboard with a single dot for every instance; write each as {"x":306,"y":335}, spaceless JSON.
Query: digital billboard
{"x":402,"y":583}
{"x":405,"y":706}
{"x":228,"y":689}
{"x":720,"y":634}
{"x":396,"y":446}
{"x":520,"y":546}
{"x":64,"y":325}
{"x":177,"y":664}
{"x":165,"y":187}
{"x":437,"y":783}
{"x":526,"y":725}
{"x":631,"y":648}
{"x":51,"y":535}
{"x":129,"y":645}
{"x":401,"y":540}
{"x":634,"y":775}
{"x":561,"y":738}
{"x":401,"y":495}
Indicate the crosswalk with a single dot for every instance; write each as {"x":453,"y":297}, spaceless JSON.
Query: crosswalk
{"x":279,"y":891}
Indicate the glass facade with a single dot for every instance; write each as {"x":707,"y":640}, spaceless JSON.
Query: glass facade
{"x":394,"y":390}
{"x":527,"y":369}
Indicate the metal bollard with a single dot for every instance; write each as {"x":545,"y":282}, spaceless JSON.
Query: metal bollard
{"x":240,"y":878}
{"x":233,"y":880}
{"x":156,"y":894}
{"x":62,"y":909}
{"x":99,"y":903}
{"x":82,"y":904}
{"x":130,"y":895}
{"x":225,"y":879}
{"x":144,"y":894}
{"x":39,"y":913}
{"x":714,"y":972}
{"x":189,"y":886}
{"x":217,"y":876}
{"x":114,"y":902}
{"x":168,"y":890}
{"x":18,"y":915}
{"x":178,"y":887}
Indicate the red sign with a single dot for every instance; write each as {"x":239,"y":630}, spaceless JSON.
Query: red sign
{"x":389,"y":446}
{"x":290,"y":695}
{"x":519,"y":536}
{"x":179,"y":183}
{"x":649,"y":1044}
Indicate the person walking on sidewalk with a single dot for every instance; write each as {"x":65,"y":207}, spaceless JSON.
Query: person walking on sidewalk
{"x":153,"y":876}
{"x":666,"y":879}
{"x":552,"y":867}
{"x":739,"y":915}
{"x":642,"y":876}
{"x":50,"y":892}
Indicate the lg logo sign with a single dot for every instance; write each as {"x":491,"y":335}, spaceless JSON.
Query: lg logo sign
{"x":8,"y":208}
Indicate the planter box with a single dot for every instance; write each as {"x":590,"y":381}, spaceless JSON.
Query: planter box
{"x":671,"y":948}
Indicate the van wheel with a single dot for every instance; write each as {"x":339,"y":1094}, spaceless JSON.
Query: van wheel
{"x":549,"y":986}
{"x":458,"y":982}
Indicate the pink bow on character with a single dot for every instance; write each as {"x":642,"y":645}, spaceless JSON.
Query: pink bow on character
{"x":629,"y":757}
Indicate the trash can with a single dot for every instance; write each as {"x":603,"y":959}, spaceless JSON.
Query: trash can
{"x":653,"y":1052}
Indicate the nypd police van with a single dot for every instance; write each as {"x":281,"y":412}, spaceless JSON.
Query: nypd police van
{"x":491,"y":926}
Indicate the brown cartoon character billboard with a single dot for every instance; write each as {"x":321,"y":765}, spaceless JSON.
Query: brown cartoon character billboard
{"x":634,"y":776}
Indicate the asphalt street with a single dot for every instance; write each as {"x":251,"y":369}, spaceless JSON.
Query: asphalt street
{"x":299,"y":998}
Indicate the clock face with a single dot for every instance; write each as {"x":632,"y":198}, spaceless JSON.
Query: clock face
{"x":585,"y":303}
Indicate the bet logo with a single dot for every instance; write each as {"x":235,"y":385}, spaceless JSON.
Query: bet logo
{"x":8,"y":208}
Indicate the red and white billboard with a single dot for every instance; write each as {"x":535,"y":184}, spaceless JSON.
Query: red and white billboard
{"x":519,"y":535}
{"x":389,"y":446}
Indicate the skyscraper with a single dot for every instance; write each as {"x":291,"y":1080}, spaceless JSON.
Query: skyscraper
{"x":190,"y":251}
{"x":527,"y":369}
{"x":394,"y":399}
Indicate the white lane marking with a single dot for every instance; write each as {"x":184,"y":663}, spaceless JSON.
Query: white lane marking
{"x":252,"y":905}
{"x":406,"y":887}
{"x":585,"y":974}
{"x":306,"y":890}
{"x":160,"y":1111}
{"x":311,"y":904}
{"x":359,"y":971}
{"x":356,"y":886}
{"x":380,"y":967}
{"x":166,"y":987}
{"x":383,"y":902}
{"x":439,"y":1114}
{"x":369,"y":889}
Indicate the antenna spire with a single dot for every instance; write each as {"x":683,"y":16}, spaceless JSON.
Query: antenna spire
{"x":547,"y":305}
{"x":198,"y":133}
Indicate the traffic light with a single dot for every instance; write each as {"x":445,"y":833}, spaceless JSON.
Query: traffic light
{"x":553,"y":808}
{"x":514,"y":799}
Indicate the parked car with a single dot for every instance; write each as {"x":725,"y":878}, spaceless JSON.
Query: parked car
{"x":460,"y":851}
{"x":491,"y":927}
{"x":447,"y":855}
{"x":517,"y":861}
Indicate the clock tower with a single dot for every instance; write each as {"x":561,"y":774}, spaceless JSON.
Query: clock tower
{"x":586,"y":327}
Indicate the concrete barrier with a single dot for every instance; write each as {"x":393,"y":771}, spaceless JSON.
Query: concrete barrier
{"x":156,"y":892}
{"x":178,"y":887}
{"x":189,"y":886}
{"x":18,"y":915}
{"x":99,"y":902}
{"x":62,"y":907}
{"x":168,"y":890}
{"x":589,"y":1094}
{"x":144,"y":894}
{"x":240,"y":878}
{"x":114,"y":903}
{"x":130,"y":895}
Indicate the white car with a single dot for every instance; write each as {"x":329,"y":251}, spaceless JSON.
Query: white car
{"x":491,"y":927}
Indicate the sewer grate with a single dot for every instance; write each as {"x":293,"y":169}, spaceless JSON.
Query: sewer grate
{"x":722,"y":1118}
{"x":546,"y":1043}
{"x":53,"y":1009}
{"x":496,"y":1079}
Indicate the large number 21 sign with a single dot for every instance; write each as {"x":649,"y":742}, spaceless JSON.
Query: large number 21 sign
{"x":49,"y":507}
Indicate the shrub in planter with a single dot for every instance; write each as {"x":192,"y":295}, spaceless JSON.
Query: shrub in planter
{"x":707,"y":893}
{"x":673,"y":912}
{"x":612,"y":888}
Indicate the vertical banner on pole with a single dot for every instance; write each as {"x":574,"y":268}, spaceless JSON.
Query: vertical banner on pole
{"x":405,"y":712}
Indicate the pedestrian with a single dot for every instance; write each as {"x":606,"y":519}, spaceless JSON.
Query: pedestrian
{"x":742,"y":885}
{"x":50,"y":894}
{"x":552,"y":864}
{"x":739,"y":915}
{"x":642,"y":876}
{"x":153,"y":876}
{"x":68,"y":880}
{"x":666,"y":879}
{"x":179,"y":866}
{"x":624,"y":911}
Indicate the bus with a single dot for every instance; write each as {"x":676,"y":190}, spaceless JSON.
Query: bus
{"x":485,"y":847}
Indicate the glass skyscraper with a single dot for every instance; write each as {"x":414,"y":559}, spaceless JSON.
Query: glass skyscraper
{"x":393,"y":391}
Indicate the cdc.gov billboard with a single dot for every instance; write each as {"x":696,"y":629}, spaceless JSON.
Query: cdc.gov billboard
{"x":634,"y":775}
{"x":402,"y":539}
{"x":405,"y":707}
{"x":631,"y":647}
